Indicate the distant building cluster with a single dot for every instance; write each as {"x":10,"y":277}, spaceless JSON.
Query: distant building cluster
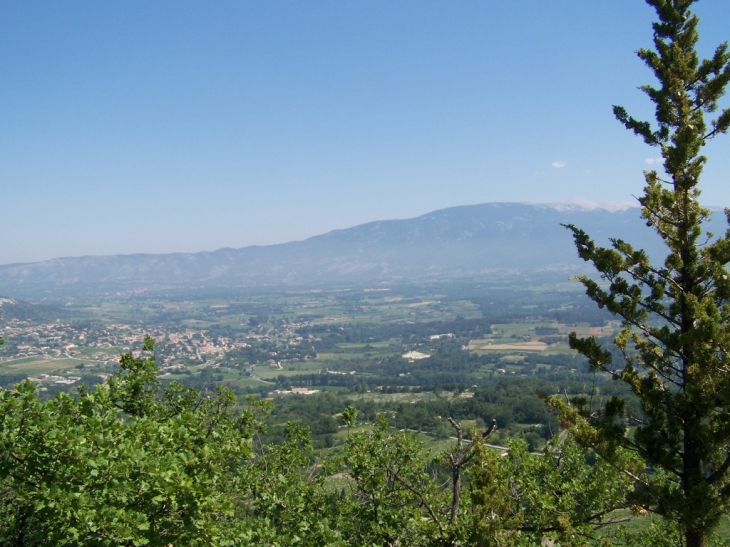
{"x":296,"y":391}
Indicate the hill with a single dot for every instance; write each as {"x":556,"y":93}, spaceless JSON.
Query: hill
{"x":487,"y":241}
{"x":11,"y":308}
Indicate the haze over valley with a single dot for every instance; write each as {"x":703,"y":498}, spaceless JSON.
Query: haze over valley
{"x":476,"y":242}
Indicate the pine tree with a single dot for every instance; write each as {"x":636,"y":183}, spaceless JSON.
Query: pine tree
{"x":675,"y":336}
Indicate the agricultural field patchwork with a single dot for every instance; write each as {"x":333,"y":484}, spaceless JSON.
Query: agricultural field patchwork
{"x":355,"y":338}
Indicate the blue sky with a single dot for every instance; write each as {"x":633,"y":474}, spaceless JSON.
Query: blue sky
{"x":185,"y":126}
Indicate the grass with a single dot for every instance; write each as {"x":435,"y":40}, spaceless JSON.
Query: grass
{"x":288,"y":369}
{"x":400,"y":397}
{"x":523,"y":337}
{"x":638,"y":523}
{"x":37,"y":365}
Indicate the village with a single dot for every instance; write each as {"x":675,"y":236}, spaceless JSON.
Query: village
{"x":98,"y":346}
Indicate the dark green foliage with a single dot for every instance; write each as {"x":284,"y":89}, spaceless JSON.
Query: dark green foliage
{"x":676,"y":317}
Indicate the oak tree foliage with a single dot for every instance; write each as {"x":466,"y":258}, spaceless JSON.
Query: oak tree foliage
{"x":123,"y":464}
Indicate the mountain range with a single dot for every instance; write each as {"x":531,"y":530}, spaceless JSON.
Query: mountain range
{"x":473,"y":241}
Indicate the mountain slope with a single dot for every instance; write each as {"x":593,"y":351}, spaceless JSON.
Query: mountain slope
{"x":473,"y":240}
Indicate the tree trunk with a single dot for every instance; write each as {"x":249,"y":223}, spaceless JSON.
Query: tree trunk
{"x":695,"y":539}
{"x":456,"y":493}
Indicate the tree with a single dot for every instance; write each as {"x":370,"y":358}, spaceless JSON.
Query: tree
{"x":394,"y":500}
{"x":523,"y":499}
{"x":290,"y":501}
{"x":397,"y":498}
{"x":124,"y":464}
{"x":458,"y":459}
{"x":675,"y":337}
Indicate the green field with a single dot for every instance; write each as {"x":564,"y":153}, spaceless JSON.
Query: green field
{"x":36,"y":365}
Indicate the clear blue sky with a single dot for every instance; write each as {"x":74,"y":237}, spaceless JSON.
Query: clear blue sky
{"x":185,"y":126}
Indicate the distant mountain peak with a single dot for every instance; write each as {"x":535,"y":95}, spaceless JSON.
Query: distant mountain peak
{"x":580,"y":204}
{"x":481,"y":241}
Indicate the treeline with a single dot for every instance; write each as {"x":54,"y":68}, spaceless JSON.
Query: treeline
{"x":405,"y":332}
{"x":448,"y":365}
{"x":516,"y":403}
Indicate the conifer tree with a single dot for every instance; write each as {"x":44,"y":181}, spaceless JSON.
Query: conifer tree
{"x":675,"y":336}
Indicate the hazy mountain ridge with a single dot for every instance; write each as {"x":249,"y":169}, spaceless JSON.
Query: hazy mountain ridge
{"x":10,"y":308}
{"x":473,"y":240}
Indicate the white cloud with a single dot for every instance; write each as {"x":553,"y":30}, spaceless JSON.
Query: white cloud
{"x":559,"y":164}
{"x":652,"y":161}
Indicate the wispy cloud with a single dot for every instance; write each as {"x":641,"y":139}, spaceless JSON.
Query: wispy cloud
{"x":559,"y":164}
{"x":652,"y":161}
